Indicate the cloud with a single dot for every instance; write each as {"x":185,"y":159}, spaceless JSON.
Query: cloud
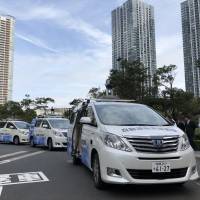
{"x":35,"y":41}
{"x":61,"y":76}
{"x":60,"y":17}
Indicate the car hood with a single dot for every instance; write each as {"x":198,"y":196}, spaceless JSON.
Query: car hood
{"x":60,"y":130}
{"x":145,"y":131}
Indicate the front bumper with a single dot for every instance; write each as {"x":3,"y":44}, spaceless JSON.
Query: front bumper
{"x":60,"y":142}
{"x":24,"y":139}
{"x":125,"y":162}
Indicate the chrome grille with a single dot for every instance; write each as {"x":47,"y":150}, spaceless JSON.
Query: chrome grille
{"x":158,"y":144}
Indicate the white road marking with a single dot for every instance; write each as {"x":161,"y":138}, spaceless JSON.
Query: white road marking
{"x":22,"y":178}
{"x":12,"y":154}
{"x":1,"y":189}
{"x":20,"y":157}
{"x":198,"y":184}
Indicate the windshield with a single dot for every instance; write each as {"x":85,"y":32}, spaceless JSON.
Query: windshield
{"x":129,"y":115}
{"x":22,"y":125}
{"x":59,"y":123}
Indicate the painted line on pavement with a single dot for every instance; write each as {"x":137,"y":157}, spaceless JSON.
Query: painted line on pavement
{"x":1,"y":189}
{"x":12,"y":154}
{"x":21,"y":157}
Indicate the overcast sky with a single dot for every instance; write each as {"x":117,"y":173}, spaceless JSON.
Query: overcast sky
{"x":63,"y":47}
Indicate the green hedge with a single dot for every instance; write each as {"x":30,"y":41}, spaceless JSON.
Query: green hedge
{"x":197,"y":134}
{"x":197,"y":143}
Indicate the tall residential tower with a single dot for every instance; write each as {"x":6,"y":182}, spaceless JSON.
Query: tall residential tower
{"x":190,"y":10}
{"x":133,"y":35}
{"x":6,"y":58}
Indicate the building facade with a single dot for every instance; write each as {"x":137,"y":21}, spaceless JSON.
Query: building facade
{"x":190,"y":10}
{"x":6,"y":57}
{"x":133,"y":35}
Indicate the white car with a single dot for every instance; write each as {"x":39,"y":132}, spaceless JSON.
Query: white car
{"x":49,"y":132}
{"x":129,"y":143}
{"x":16,"y":132}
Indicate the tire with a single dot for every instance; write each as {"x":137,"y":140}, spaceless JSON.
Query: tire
{"x":99,"y":184}
{"x":16,"y":140}
{"x":32,"y":142}
{"x":50,"y":144}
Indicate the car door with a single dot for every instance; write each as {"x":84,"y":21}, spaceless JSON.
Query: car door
{"x":10,"y":131}
{"x":45,"y":132}
{"x":88,"y":133}
{"x":37,"y":132}
{"x":2,"y":130}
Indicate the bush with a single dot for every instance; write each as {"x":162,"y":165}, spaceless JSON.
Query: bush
{"x":197,"y":143}
{"x":197,"y":134}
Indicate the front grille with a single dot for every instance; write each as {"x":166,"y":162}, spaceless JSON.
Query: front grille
{"x":148,"y":174}
{"x":64,"y":133}
{"x":164,"y":144}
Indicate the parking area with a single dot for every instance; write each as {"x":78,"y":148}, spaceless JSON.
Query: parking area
{"x":36,"y":173}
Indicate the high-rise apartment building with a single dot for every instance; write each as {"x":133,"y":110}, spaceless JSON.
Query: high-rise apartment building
{"x":6,"y":58}
{"x":133,"y":35}
{"x":190,"y":10}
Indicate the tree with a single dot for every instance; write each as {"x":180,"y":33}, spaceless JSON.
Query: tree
{"x":75,"y":102}
{"x":26,"y":102}
{"x":130,"y":81}
{"x":42,"y":103}
{"x":96,"y":93}
{"x":165,"y":77}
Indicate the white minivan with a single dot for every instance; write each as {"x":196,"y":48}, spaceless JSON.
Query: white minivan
{"x":49,"y":132}
{"x":16,"y":132}
{"x":129,"y":143}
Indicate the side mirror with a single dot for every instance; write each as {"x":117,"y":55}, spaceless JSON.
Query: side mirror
{"x":12,"y":127}
{"x":45,"y":126}
{"x":85,"y":120}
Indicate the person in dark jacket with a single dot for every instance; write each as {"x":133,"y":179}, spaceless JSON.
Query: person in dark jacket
{"x":190,"y":127}
{"x":180,"y":122}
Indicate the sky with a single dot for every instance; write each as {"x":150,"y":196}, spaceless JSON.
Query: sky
{"x":63,"y":47}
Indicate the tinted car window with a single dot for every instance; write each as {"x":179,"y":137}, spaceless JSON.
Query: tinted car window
{"x":38,"y":122}
{"x":9,"y":125}
{"x":129,"y":115}
{"x":2,"y":124}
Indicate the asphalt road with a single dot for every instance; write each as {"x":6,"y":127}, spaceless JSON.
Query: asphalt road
{"x":64,"y":181}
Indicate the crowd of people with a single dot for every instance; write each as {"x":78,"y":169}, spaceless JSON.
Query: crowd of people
{"x":186,"y":124}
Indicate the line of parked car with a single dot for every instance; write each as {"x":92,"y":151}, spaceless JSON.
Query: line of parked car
{"x":49,"y":132}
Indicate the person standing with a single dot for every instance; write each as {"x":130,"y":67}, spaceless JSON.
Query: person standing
{"x":190,"y":127}
{"x":180,"y":122}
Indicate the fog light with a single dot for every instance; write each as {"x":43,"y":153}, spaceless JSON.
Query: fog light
{"x":57,"y":143}
{"x":193,"y":170}
{"x":113,"y":172}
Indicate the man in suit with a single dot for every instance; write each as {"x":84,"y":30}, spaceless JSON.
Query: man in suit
{"x":190,"y":127}
{"x":180,"y":122}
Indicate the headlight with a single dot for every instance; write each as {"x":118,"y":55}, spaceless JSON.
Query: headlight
{"x":24,"y":132}
{"x":185,"y":143}
{"x":116,"y":142}
{"x":58,"y":134}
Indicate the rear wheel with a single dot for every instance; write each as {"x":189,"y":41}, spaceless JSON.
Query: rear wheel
{"x":16,"y":140}
{"x":50,"y":144}
{"x":97,"y":173}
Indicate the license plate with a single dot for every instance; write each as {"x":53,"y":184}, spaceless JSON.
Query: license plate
{"x":161,"y":167}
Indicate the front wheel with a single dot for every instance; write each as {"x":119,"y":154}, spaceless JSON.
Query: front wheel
{"x":16,"y":140}
{"x":50,"y":144}
{"x":97,"y":173}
